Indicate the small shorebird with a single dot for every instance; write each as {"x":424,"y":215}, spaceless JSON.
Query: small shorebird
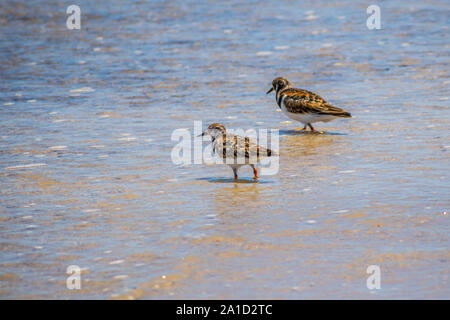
{"x":236,"y":151}
{"x":303,"y":105}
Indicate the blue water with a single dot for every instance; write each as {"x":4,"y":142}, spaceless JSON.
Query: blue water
{"x":86,"y":118}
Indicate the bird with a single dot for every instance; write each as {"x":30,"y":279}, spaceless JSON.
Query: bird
{"x":236,"y":151}
{"x":304,"y":106}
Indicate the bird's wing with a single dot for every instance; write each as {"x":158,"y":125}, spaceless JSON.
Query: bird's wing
{"x":304,"y":101}
{"x":237,"y":147}
{"x":255,"y":150}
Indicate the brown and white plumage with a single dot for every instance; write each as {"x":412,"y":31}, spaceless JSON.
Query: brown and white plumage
{"x":304,"y":106}
{"x":236,"y":151}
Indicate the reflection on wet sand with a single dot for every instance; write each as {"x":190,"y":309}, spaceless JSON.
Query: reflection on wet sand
{"x":322,"y":146}
{"x":86,"y":176}
{"x":232,"y":181}
{"x":244,"y":200}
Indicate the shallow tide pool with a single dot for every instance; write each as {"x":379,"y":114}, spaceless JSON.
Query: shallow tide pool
{"x":86,"y":176}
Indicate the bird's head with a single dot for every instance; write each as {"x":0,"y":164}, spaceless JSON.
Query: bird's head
{"x":278,"y":84}
{"x":215,"y":130}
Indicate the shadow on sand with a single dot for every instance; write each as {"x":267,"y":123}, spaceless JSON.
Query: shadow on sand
{"x":315,"y":133}
{"x":231,"y":180}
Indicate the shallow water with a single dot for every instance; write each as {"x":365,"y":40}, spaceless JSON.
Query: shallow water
{"x":86,"y":176}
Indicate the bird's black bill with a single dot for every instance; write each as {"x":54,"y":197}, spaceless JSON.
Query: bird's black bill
{"x":201,"y":135}
{"x":271,"y":89}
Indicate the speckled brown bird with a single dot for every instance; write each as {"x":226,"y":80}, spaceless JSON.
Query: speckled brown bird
{"x":303,"y":105}
{"x":236,"y":151}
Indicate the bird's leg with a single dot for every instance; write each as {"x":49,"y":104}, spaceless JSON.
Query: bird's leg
{"x":235,"y":173}
{"x":312,"y":129}
{"x":255,"y":172}
{"x":304,"y":128}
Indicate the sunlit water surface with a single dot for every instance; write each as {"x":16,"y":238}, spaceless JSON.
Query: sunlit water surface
{"x":86,"y":175}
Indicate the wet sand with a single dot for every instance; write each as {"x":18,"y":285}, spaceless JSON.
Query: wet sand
{"x":86,"y":177}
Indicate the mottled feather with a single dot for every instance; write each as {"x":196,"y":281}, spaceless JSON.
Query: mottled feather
{"x":304,"y":101}
{"x":235,"y":147}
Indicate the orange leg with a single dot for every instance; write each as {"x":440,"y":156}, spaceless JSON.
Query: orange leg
{"x":312,"y":129}
{"x":235,"y":173}
{"x":255,"y":173}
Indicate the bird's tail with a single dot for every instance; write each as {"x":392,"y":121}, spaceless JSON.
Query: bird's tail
{"x":335,"y":111}
{"x":344,"y":115}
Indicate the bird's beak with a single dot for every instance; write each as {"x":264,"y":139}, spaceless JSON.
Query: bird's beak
{"x":271,"y":89}
{"x":202,"y":134}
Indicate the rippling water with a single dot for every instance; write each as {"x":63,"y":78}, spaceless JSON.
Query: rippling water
{"x":86,"y":177}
